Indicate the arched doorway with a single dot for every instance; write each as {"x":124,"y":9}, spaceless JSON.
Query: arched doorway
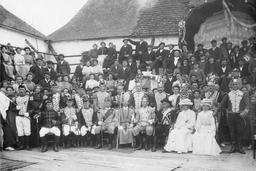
{"x":200,"y":14}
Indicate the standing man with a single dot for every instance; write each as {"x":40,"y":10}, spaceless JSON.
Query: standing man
{"x":50,"y":69}
{"x":63,"y":66}
{"x":215,"y":51}
{"x":165,"y":120}
{"x":23,"y":119}
{"x":125,"y":51}
{"x":37,"y":70}
{"x":237,"y":106}
{"x":140,"y":49}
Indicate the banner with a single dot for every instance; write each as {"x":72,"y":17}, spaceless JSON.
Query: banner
{"x":4,"y":104}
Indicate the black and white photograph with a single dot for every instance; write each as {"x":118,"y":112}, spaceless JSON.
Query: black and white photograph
{"x":127,"y":85}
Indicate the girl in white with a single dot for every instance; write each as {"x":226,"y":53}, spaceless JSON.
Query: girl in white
{"x":204,"y":138}
{"x":180,"y":138}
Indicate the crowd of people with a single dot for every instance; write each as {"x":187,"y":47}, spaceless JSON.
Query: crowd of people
{"x":150,"y":97}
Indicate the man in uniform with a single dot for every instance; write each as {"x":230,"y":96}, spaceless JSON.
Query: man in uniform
{"x":165,"y":120}
{"x":144,"y":121}
{"x":23,"y":119}
{"x":49,"y":120}
{"x":107,"y":122}
{"x":237,"y":106}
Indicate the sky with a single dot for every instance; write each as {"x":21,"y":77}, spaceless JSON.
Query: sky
{"x":44,"y":15}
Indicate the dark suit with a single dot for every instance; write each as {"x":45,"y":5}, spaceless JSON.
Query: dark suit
{"x":141,"y":47}
{"x":244,"y":70}
{"x":125,"y":51}
{"x":45,"y":84}
{"x":170,"y":65}
{"x":148,"y":56}
{"x":52,"y":73}
{"x":124,"y":73}
{"x":235,"y":121}
{"x":102,"y":51}
{"x":161,"y":56}
{"x":38,"y":73}
{"x":78,"y":72}
{"x":63,"y":68}
{"x":216,"y":53}
{"x":222,"y":72}
{"x":114,"y":70}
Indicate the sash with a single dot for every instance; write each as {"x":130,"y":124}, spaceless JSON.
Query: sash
{"x":108,"y":114}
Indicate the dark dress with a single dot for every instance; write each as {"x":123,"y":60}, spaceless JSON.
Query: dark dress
{"x":9,"y":126}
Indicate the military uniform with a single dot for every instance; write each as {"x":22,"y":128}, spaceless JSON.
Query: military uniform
{"x":236,"y":103}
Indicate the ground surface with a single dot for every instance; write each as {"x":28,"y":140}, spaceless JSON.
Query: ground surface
{"x":123,"y":159}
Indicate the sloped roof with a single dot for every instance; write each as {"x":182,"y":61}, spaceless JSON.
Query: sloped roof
{"x":162,"y":19}
{"x":121,"y":18}
{"x":12,"y":22}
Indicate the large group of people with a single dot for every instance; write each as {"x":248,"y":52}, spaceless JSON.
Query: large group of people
{"x":149,"y":97}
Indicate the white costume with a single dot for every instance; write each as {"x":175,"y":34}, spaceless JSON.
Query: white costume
{"x":180,"y":138}
{"x":72,"y":125}
{"x":22,"y":119}
{"x":204,"y":141}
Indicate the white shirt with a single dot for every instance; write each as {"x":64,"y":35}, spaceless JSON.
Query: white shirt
{"x":235,"y":98}
{"x":87,"y":70}
{"x":97,"y":69}
{"x":173,"y":99}
{"x":91,"y":84}
{"x":19,"y":59}
{"x":176,"y":59}
{"x":223,"y":69}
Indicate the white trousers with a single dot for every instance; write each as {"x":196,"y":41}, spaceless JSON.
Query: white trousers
{"x":53,"y":130}
{"x":23,"y":126}
{"x":67,"y":129}
{"x":93,"y":130}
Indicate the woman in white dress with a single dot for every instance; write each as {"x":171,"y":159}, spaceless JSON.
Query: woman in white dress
{"x":204,"y":141}
{"x":180,"y":138}
{"x":19,"y":62}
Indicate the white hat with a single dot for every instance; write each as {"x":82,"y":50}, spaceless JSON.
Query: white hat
{"x":206,"y":102}
{"x":185,"y":102}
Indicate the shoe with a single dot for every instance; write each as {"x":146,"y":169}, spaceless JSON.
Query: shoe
{"x":98,"y":146}
{"x":241,"y":151}
{"x":153,"y":149}
{"x":164,"y":151}
{"x":43,"y":148}
{"x":249,"y":147}
{"x":233,"y":149}
{"x":21,"y":143}
{"x":27,"y":141}
{"x":56,"y":148}
{"x":9,"y":149}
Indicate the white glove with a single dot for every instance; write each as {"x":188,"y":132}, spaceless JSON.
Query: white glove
{"x":150,"y":121}
{"x":100,"y":123}
{"x":26,"y":114}
{"x":18,"y":107}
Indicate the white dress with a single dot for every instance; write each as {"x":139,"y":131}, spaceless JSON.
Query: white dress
{"x":204,"y":141}
{"x":180,"y":138}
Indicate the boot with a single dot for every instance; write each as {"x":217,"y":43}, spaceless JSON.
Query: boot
{"x":146,"y":143}
{"x":139,"y":141}
{"x":110,"y":142}
{"x":27,"y":145}
{"x":43,"y":144}
{"x":98,"y":141}
{"x":153,"y":149}
{"x":233,"y":148}
{"x":21,"y":143}
{"x":240,"y":149}
{"x":56,"y":144}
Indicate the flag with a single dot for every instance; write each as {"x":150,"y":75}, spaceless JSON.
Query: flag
{"x":4,"y":104}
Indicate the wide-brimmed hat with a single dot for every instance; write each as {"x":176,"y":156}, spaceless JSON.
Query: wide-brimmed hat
{"x":206,"y":102}
{"x":185,"y":102}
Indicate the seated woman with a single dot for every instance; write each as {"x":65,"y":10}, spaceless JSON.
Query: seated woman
{"x":180,"y":138}
{"x":204,"y":141}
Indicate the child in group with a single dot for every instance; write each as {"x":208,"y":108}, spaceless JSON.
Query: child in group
{"x":204,"y":141}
